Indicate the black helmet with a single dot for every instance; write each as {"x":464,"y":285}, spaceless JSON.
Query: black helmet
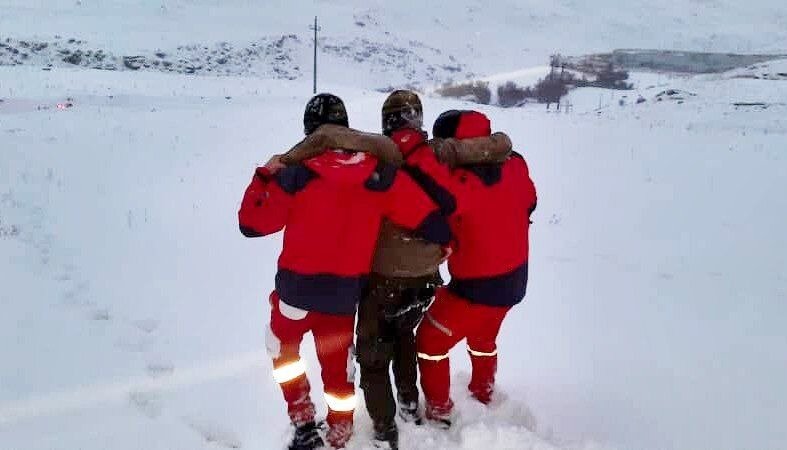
{"x":322,"y":109}
{"x":402,"y":109}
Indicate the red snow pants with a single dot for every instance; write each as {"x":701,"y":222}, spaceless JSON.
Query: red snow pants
{"x":333,"y":338}
{"x":449,"y":320}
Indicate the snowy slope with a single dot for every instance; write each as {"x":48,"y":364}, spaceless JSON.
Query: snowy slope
{"x":134,"y":311}
{"x":377,"y":43}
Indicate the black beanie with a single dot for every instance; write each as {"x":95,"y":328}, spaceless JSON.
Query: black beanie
{"x":446,"y":124}
{"x":322,"y":109}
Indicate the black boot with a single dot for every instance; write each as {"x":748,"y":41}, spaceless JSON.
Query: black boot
{"x":386,"y":437}
{"x":442,"y":423}
{"x":408,"y":412}
{"x":306,"y":437}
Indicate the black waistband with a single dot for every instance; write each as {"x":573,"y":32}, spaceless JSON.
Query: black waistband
{"x":501,"y":290}
{"x":325,"y":293}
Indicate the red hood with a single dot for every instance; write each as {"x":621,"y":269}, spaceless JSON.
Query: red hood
{"x":408,"y":139}
{"x":343,"y":167}
{"x":473,"y":124}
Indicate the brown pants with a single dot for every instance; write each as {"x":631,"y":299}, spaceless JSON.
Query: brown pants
{"x":387,"y":317}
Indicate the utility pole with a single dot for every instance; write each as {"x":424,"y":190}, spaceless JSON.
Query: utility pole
{"x":314,"y":88}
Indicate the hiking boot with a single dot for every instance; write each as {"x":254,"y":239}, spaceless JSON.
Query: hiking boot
{"x":483,"y":397}
{"x":441,"y":423}
{"x":408,"y":412}
{"x":440,"y":416}
{"x":306,"y":437}
{"x":339,"y":433}
{"x":386,"y":437}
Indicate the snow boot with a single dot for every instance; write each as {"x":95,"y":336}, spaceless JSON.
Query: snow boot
{"x":443,"y":423}
{"x":306,"y":437}
{"x":339,"y":433}
{"x":386,"y":437}
{"x":440,"y":417}
{"x":408,"y":412}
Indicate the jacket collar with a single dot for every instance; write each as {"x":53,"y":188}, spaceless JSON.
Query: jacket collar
{"x":408,"y":139}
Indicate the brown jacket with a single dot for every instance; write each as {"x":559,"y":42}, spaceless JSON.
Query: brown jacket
{"x":399,"y":254}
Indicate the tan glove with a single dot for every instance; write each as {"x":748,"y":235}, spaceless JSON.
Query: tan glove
{"x":492,"y":149}
{"x":339,"y":137}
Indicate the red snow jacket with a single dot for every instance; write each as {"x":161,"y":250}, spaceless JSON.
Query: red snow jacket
{"x":489,"y":209}
{"x":330,"y":208}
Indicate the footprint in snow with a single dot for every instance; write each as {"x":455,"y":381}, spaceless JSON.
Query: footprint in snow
{"x":74,"y":296}
{"x":134,"y":344}
{"x":66,"y":273}
{"x":146,"y":325}
{"x":213,"y":433}
{"x":159,"y":370}
{"x":141,"y":336}
{"x":666,"y":276}
{"x":561,"y":259}
{"x":100,"y":315}
{"x":65,"y":276}
{"x":147,"y":403}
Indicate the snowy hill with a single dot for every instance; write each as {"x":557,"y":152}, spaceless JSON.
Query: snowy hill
{"x":133,"y":311}
{"x":376,"y":44}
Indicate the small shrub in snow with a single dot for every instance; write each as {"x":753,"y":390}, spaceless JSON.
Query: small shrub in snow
{"x":613,"y":78}
{"x":510,"y":94}
{"x":552,"y":88}
{"x":475,"y":91}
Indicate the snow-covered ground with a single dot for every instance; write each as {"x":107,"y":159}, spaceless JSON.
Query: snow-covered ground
{"x":132,"y":311}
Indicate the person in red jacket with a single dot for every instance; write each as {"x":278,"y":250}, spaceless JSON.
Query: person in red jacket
{"x":330,"y":207}
{"x":489,"y":207}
